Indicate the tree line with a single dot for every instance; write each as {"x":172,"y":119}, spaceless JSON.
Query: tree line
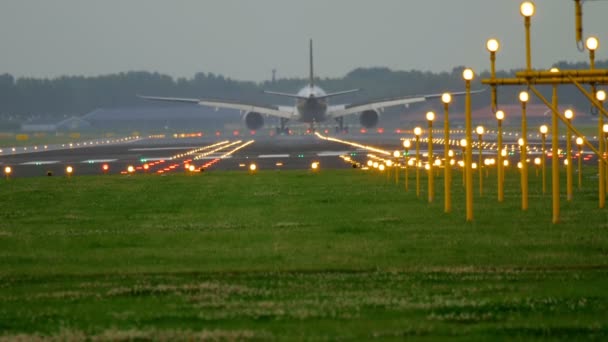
{"x":22,"y":98}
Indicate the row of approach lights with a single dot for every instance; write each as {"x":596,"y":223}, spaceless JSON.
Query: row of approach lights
{"x":313,"y":166}
{"x":131,"y":169}
{"x":527,"y":10}
{"x":9,"y":170}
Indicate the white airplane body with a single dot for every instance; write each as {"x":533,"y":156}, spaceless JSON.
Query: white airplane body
{"x":311,"y":106}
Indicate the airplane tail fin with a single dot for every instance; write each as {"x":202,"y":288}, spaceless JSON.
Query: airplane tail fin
{"x":311,"y":79}
{"x":311,"y":84}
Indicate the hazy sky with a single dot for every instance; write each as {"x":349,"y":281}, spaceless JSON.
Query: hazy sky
{"x":246,"y":39}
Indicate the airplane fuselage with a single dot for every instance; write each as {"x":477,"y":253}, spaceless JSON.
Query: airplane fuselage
{"x":312,"y":106}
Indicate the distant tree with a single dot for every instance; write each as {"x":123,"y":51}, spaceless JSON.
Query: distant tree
{"x":77,"y":95}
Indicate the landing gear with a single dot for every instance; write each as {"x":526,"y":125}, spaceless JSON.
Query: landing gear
{"x":283,"y":130}
{"x":341,"y":128}
{"x":312,"y":129}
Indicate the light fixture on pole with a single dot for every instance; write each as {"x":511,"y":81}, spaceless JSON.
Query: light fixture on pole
{"x":579,"y":143}
{"x":480,"y":131}
{"x":69,"y":170}
{"x":555,"y":179}
{"x":527,"y":9}
{"x":463,"y":144}
{"x":569,"y":114}
{"x":396,"y":165}
{"x":524,"y":97}
{"x":417,"y":132}
{"x":430,"y":116}
{"x":592,"y":43}
{"x":446,"y":98}
{"x":600,"y":95}
{"x":468,"y":76}
{"x":543,"y":134}
{"x":492,"y":45}
{"x":406,"y":145}
{"x":500,"y":116}
{"x":605,"y":136}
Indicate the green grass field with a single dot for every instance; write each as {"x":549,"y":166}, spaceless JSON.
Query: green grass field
{"x":293,"y":255}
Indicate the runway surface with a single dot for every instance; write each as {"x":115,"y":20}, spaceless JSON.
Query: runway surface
{"x":168,"y":155}
{"x":156,"y":155}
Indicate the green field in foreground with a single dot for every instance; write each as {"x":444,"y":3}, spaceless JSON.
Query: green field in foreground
{"x":295,"y":255}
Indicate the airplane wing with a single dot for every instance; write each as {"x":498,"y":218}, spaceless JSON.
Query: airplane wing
{"x":279,"y":111}
{"x":342,"y":110}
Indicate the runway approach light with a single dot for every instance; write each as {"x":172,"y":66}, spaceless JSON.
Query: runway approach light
{"x":253,"y":168}
{"x":191,"y":168}
{"x":7,"y":171}
{"x":130,"y":169}
{"x":105,"y":168}
{"x":69,"y":170}
{"x":314,"y":166}
{"x":527,"y":9}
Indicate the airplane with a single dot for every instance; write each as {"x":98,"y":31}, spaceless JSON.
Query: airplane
{"x":311,"y":106}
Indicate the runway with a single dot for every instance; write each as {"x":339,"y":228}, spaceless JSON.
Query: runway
{"x":160,"y":155}
{"x":170,"y":155}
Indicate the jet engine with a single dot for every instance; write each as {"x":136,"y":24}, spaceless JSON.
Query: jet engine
{"x":254,"y":120}
{"x":369,"y":118}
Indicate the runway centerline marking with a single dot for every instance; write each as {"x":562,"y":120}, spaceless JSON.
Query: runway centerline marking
{"x":213,"y":157}
{"x":40,"y":162}
{"x":93,"y":161}
{"x":142,"y":149}
{"x":156,"y":158}
{"x":331,"y":153}
{"x":263,"y":156}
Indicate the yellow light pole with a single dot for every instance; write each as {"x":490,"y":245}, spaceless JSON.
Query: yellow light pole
{"x":555,"y":152}
{"x":579,"y":142}
{"x":430,"y":116}
{"x":406,"y":145}
{"x":463,"y":144}
{"x":524,"y":97}
{"x":605,"y":129}
{"x":537,"y":164}
{"x":569,"y":114}
{"x":417,"y":132}
{"x":592,"y":44}
{"x":527,"y":10}
{"x":480,"y":131}
{"x":500,"y":115}
{"x":543,"y":134}
{"x":396,"y":164}
{"x":446,"y":98}
{"x":468,"y":75}
{"x":600,"y":95}
{"x":492,"y":45}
